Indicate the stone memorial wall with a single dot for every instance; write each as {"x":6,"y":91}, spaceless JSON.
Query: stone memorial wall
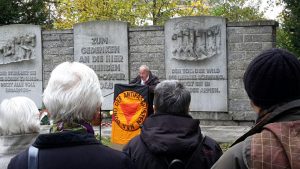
{"x":21,"y":62}
{"x":196,"y":55}
{"x":147,"y":46}
{"x":103,"y":46}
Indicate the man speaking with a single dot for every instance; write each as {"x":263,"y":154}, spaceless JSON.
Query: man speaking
{"x":145,"y":77}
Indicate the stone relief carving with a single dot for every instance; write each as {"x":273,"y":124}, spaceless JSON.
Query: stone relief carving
{"x":193,"y":44}
{"x":18,"y":49}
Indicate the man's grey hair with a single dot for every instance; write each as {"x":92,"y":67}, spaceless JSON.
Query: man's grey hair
{"x":171,"y":97}
{"x":144,"y":67}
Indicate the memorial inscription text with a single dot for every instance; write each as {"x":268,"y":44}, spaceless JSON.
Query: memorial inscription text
{"x":103,"y":57}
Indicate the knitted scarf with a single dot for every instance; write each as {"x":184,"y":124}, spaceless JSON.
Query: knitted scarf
{"x":78,"y":126}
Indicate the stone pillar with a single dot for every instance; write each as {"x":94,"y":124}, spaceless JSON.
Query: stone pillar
{"x":57,"y":48}
{"x":245,"y":41}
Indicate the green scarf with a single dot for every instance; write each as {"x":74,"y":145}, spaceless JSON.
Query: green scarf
{"x":81,"y":126}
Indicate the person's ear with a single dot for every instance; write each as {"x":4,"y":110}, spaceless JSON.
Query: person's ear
{"x":96,"y":121}
{"x":255,"y":108}
{"x":154,"y":109}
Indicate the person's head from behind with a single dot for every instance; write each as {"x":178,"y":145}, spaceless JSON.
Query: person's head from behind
{"x":272,"y":79}
{"x":73,"y":93}
{"x":144,"y":72}
{"x":171,"y":97}
{"x":19,"y":115}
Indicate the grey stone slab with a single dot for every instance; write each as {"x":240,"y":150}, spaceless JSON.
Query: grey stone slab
{"x":52,"y":44}
{"x":249,"y":46}
{"x":103,"y":46}
{"x":235,"y":38}
{"x":250,"y":30}
{"x":259,"y":38}
{"x":250,"y":55}
{"x":136,"y":57}
{"x":236,"y":56}
{"x":240,"y":105}
{"x":253,"y":23}
{"x":224,"y":134}
{"x":243,"y":115}
{"x":67,"y":37}
{"x":156,"y":33}
{"x":150,"y":41}
{"x":65,"y":31}
{"x":51,"y":37}
{"x":147,"y":28}
{"x":21,"y":62}
{"x":65,"y":50}
{"x":211,"y":116}
{"x":196,"y":55}
{"x":235,"y":74}
{"x":50,"y":51}
{"x":246,"y":123}
{"x":236,"y":83}
{"x":238,"y":65}
{"x":147,"y":48}
{"x":133,"y":41}
{"x":237,"y":93}
{"x":268,"y":45}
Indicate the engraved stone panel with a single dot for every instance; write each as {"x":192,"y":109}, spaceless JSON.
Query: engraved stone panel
{"x":103,"y":46}
{"x":21,"y":62}
{"x":196,"y":55}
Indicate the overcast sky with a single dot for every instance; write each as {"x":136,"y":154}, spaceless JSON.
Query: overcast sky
{"x":273,"y":11}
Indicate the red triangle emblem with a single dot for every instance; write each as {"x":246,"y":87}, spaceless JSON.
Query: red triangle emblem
{"x":129,"y":110}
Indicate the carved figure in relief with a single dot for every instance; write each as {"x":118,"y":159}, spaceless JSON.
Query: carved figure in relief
{"x":196,"y":44}
{"x":19,"y":49}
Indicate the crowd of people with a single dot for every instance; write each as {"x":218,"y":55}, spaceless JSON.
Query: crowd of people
{"x":170,"y":138}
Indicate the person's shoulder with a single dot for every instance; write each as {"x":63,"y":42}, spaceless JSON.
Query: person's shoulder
{"x":19,"y":161}
{"x":114,"y":159}
{"x":154,"y":77}
{"x":235,"y":157}
{"x":133,"y":143}
{"x":135,"y":80}
{"x":108,"y":150}
{"x":211,"y":143}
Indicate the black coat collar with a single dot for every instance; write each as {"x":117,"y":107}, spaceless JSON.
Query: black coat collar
{"x":64,"y":139}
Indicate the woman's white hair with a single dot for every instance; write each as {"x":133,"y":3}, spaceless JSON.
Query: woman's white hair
{"x":19,"y":115}
{"x":73,"y":92}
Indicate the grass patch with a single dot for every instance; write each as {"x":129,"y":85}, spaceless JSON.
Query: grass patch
{"x":106,"y":141}
{"x":225,"y":146}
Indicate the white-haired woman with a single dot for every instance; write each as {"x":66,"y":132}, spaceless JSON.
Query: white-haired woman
{"x":72,"y":97}
{"x":19,"y":126}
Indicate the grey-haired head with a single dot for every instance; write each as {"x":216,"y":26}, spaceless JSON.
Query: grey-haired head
{"x":171,"y":97}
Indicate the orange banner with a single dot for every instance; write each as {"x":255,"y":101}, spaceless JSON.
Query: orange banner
{"x":129,"y":112}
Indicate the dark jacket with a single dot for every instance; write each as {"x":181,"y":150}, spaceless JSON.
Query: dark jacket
{"x":268,"y":144}
{"x":166,"y":137}
{"x":72,"y":150}
{"x":151,"y":83}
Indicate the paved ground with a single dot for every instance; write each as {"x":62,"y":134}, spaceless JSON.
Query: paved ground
{"x":222,"y":134}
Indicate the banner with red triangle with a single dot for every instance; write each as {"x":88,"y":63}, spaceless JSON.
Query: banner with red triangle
{"x":130,"y":110}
